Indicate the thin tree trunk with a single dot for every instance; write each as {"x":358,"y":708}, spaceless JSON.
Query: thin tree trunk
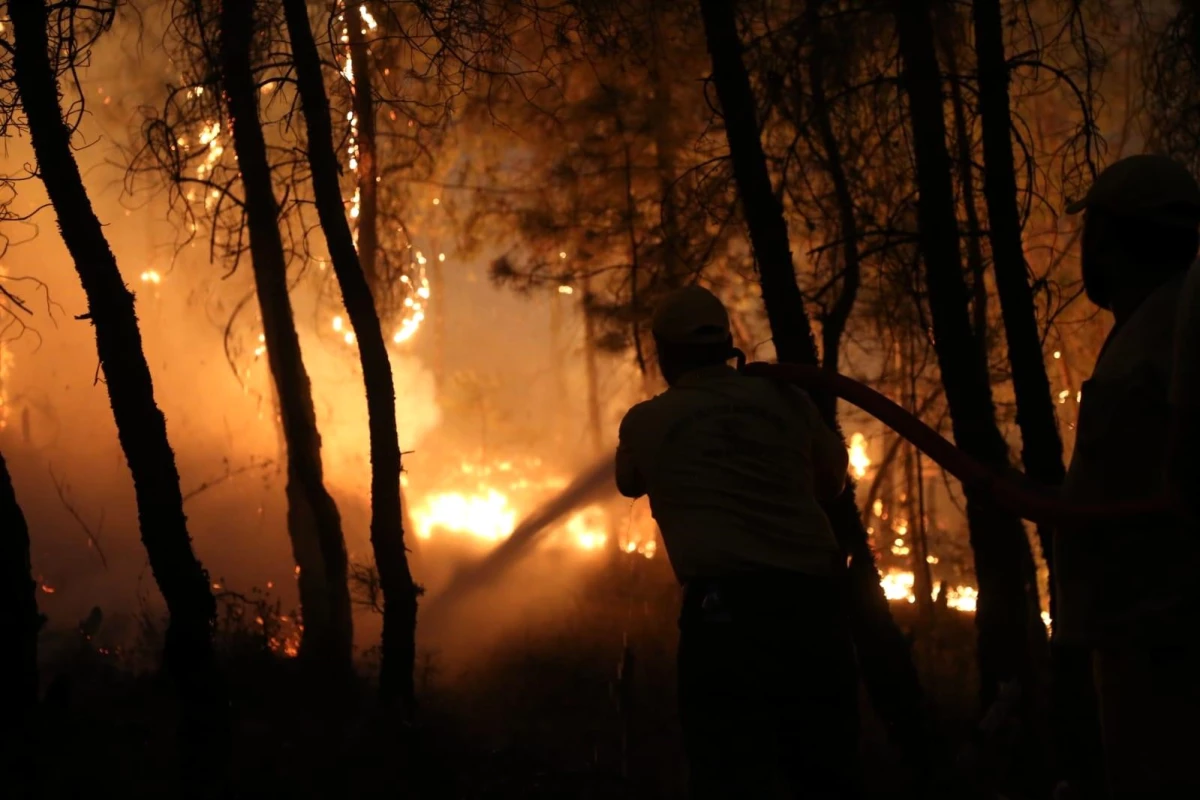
{"x":141,"y":426}
{"x":1042,"y":450}
{"x":666,"y":145}
{"x":314,"y":523}
{"x":1003,"y":562}
{"x":884,"y":655}
{"x":436,"y":316}
{"x":1073,"y":708}
{"x":367,"y":170}
{"x":387,"y":528}
{"x":966,"y":179}
{"x":834,"y":325}
{"x":592,"y":376}
{"x":19,"y":626}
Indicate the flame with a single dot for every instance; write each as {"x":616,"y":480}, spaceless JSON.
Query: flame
{"x":899,"y":585}
{"x":499,"y":494}
{"x":962,"y":598}
{"x":859,"y":460}
{"x":367,"y":18}
{"x":484,"y":516}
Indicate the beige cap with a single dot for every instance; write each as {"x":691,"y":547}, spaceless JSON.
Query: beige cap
{"x":1148,"y":187}
{"x":692,"y":315}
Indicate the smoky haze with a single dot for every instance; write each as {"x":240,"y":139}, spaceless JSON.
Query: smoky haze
{"x":485,"y":398}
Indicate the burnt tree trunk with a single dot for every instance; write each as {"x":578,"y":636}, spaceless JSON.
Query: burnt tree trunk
{"x":19,"y":626}
{"x":1003,"y":562}
{"x":368,"y":163}
{"x":387,"y":529}
{"x":141,"y":426}
{"x":884,"y":656}
{"x":314,"y":523}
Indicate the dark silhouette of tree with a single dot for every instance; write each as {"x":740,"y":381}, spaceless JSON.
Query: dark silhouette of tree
{"x":387,"y":532}
{"x":1041,"y":451}
{"x":367,"y":155}
{"x":19,"y":626}
{"x":50,"y":40}
{"x":884,"y":655}
{"x":1007,"y":607}
{"x":313,"y":519}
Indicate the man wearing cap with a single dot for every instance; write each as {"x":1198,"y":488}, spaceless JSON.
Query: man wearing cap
{"x":736,"y":469}
{"x":1125,"y":589}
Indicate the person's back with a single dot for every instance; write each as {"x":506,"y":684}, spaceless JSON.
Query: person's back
{"x":733,"y":467}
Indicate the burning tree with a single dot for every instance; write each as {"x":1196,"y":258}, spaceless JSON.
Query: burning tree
{"x":313,"y":517}
{"x":387,"y":533}
{"x":50,"y":42}
{"x":223,"y":170}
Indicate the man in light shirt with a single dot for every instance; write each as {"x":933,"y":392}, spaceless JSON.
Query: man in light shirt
{"x":1125,"y":589}
{"x":736,"y":469}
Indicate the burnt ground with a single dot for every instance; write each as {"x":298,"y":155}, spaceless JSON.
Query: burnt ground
{"x":582,"y":709}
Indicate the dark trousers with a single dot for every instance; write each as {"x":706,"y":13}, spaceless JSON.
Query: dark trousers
{"x":768,"y":688}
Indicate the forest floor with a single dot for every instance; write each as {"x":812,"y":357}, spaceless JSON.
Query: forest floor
{"x":583,"y":709}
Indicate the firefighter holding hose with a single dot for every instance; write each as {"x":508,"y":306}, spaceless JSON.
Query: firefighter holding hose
{"x":736,"y":469}
{"x":1126,"y":588}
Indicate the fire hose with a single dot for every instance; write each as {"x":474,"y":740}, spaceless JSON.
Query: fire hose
{"x":1009,"y":491}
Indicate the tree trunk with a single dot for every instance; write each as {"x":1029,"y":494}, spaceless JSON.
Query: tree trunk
{"x":1003,"y":562}
{"x":1073,"y":706}
{"x":883,"y":651}
{"x":387,"y":528}
{"x":949,"y":30}
{"x":834,"y":325}
{"x":591,"y":370}
{"x":1042,"y":450}
{"x":368,"y":163}
{"x":314,"y":523}
{"x":19,"y":626}
{"x":141,"y":426}
{"x":666,"y":146}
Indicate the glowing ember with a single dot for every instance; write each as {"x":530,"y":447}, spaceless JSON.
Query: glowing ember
{"x":151,"y":276}
{"x":859,"y":460}
{"x":367,"y":18}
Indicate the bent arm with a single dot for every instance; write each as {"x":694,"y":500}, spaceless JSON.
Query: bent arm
{"x":630,"y":481}
{"x":831,"y":462}
{"x":629,"y":478}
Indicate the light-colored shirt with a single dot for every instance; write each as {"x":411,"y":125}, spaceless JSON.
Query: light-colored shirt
{"x":1127,"y":582}
{"x":733,"y":466}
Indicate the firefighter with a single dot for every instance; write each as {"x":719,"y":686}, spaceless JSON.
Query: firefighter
{"x":737,"y":469}
{"x":1125,"y":589}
